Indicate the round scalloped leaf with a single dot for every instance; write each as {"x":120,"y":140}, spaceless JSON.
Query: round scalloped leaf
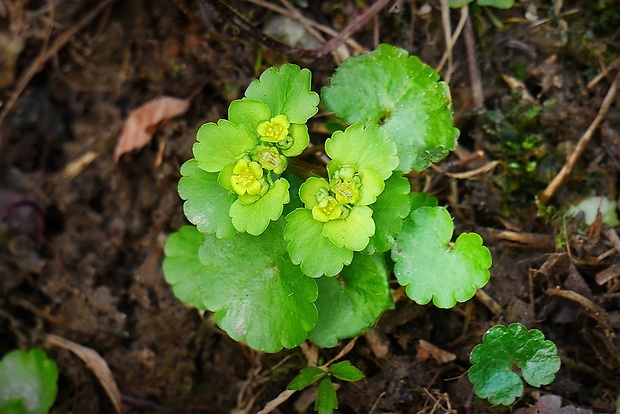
{"x":353,"y":232}
{"x":257,"y":294}
{"x":28,"y":382}
{"x":350,"y":304}
{"x":389,"y":211}
{"x":422,"y":199}
{"x":364,"y":148}
{"x":286,"y":91}
{"x":403,"y":95}
{"x":248,"y":112}
{"x":430,"y":267}
{"x":254,"y":218}
{"x":301,"y":138}
{"x":207,"y":202}
{"x":503,"y":348}
{"x":221,"y":144}
{"x":182,"y":268}
{"x":307,"y":246}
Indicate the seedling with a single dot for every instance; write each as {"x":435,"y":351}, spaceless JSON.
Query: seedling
{"x":504,"y":350}
{"x":282,"y":258}
{"x":326,"y":400}
{"x":28,"y":382}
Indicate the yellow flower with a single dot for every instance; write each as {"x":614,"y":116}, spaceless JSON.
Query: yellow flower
{"x":274,"y":130}
{"x":346,"y":185}
{"x":247,"y":178}
{"x":327,"y":209}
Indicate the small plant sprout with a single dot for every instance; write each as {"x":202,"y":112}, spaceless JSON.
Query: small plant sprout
{"x":28,"y":382}
{"x":326,"y":400}
{"x":504,"y":350}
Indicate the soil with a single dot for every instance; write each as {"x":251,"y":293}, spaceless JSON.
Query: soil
{"x":81,"y":235}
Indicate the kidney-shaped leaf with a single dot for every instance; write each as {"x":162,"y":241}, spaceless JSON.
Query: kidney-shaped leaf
{"x":351,"y":303}
{"x":389,"y":211}
{"x":430,"y":267}
{"x":310,"y":249}
{"x":401,"y":93}
{"x":286,"y":91}
{"x":182,"y":268}
{"x":257,"y":294}
{"x":28,"y":382}
{"x":503,"y":348}
{"x":367,"y":147}
{"x":207,"y":203}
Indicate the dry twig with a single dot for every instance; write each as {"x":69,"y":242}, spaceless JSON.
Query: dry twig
{"x":559,"y":179}
{"x":457,"y":33}
{"x":253,"y":32}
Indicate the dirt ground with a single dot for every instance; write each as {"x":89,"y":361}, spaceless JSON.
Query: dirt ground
{"x":81,"y":235}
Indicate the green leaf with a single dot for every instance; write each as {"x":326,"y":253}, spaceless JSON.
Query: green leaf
{"x":307,"y":246}
{"x":500,"y":4}
{"x":456,"y":4}
{"x":389,"y":211}
{"x":326,"y":400}
{"x":254,"y":218}
{"x":354,"y":231}
{"x":222,"y":144}
{"x":299,"y":133}
{"x":403,"y":95}
{"x":363,"y":148}
{"x":430,"y":268}
{"x":306,"y":377}
{"x":372,"y":186}
{"x":207,"y":202}
{"x":422,"y":199}
{"x":504,"y":348}
{"x":345,"y":371}
{"x":257,"y":294}
{"x":350,"y":304}
{"x":28,"y":380}
{"x":248,"y":112}
{"x":286,"y":91}
{"x":182,"y":268}
{"x":311,"y":188}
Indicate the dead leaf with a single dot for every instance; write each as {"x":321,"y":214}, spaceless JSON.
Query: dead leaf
{"x":142,"y":123}
{"x":95,"y":362}
{"x":427,"y":350}
{"x":378,"y":344}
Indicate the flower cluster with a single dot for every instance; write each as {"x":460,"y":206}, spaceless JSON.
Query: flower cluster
{"x":361,"y":160}
{"x":249,"y":152}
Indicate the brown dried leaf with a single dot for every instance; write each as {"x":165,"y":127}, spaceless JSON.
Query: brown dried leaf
{"x":142,"y":123}
{"x":427,"y":350}
{"x":97,"y":365}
